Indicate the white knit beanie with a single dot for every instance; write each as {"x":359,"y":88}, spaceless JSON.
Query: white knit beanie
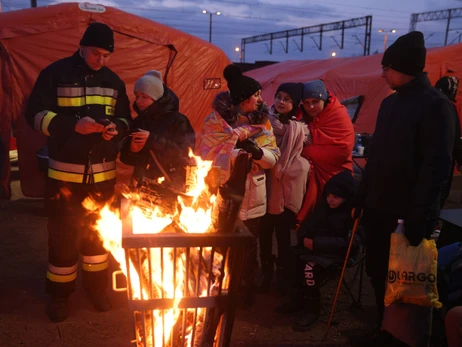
{"x":151,"y":84}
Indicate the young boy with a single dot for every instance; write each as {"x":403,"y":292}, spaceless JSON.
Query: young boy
{"x":322,"y":240}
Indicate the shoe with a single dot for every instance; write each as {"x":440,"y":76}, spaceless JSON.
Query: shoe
{"x":305,"y":322}
{"x":100,"y":300}
{"x":57,"y":310}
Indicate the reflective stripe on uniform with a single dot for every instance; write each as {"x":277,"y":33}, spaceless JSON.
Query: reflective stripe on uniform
{"x":70,"y":91}
{"x":42,"y":121}
{"x":77,"y":168}
{"x":95,"y":259}
{"x":100,"y":100}
{"x":95,"y":267}
{"x":61,"y":278}
{"x":78,"y":178}
{"x":65,"y":176}
{"x":62,"y":274}
{"x":86,"y":100}
{"x":61,"y":270}
{"x":76,"y":173}
{"x":102,"y":91}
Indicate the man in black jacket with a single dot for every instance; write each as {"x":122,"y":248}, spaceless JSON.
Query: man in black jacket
{"x":83,"y":109}
{"x":410,"y":158}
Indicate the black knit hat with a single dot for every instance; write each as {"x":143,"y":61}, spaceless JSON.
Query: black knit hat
{"x":342,"y":184}
{"x":98,"y":35}
{"x":295,"y":91}
{"x":240,"y":87}
{"x":407,"y":54}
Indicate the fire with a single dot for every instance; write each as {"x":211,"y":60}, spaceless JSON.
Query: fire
{"x":162,"y":272}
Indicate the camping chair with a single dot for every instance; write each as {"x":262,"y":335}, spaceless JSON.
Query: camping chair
{"x":355,"y":264}
{"x":359,"y":259}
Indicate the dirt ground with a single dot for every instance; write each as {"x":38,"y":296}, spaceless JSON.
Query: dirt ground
{"x":23,"y":263}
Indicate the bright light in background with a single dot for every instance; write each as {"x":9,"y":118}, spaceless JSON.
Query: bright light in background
{"x":204,"y":11}
{"x":218,"y":13}
{"x":237,"y":49}
{"x":334,"y":54}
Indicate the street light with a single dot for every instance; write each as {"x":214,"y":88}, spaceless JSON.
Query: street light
{"x":334,"y":54}
{"x":385,"y":39}
{"x":211,"y":14}
{"x":237,"y":50}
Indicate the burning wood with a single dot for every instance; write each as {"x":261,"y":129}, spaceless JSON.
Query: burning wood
{"x":179,"y":281}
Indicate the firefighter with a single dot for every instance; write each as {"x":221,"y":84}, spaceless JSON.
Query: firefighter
{"x":83,"y":109}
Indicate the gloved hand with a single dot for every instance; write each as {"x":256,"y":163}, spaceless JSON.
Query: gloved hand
{"x":250,"y":147}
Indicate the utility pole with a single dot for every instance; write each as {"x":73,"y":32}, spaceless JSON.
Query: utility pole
{"x":33,"y":3}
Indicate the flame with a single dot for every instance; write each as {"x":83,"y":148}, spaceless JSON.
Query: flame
{"x":192,"y":216}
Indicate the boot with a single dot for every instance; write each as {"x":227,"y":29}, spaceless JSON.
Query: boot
{"x":100,"y":300}
{"x":57,"y":310}
{"x":310,"y":316}
{"x":294,"y":304}
{"x":267,"y":278}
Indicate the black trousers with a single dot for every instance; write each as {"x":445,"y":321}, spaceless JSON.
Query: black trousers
{"x":281,"y":225}
{"x":249,"y":273}
{"x":378,"y":226}
{"x":308,"y":278}
{"x":71,"y":233}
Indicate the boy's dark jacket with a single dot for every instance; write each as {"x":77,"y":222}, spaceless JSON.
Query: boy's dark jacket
{"x":329,"y":228}
{"x":171,"y":137}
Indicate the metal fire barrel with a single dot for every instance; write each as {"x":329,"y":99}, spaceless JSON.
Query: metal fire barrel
{"x":194,"y":278}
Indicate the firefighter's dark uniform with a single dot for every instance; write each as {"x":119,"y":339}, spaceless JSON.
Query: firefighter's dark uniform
{"x":80,"y":166}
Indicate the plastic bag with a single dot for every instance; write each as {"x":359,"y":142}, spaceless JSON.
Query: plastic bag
{"x":412,"y":272}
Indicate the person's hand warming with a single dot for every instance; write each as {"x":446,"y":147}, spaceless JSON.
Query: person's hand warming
{"x":250,"y":147}
{"x":139,"y":139}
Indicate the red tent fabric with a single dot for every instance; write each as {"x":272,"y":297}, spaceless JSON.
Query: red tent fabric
{"x":31,"y":39}
{"x":349,"y":77}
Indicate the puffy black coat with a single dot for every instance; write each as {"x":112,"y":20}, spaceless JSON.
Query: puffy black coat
{"x":171,"y":137}
{"x":410,"y":156}
{"x":329,"y":228}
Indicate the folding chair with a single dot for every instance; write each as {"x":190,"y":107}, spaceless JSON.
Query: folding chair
{"x":359,"y":259}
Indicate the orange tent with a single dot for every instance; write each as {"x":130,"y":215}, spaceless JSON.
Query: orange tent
{"x":31,"y":39}
{"x":349,"y":77}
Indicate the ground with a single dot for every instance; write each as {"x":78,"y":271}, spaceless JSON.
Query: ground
{"x":23,"y":263}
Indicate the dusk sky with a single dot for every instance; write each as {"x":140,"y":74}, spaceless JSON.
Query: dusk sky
{"x":245,"y":18}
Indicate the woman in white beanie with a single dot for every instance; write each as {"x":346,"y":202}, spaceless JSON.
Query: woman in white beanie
{"x":161,"y":136}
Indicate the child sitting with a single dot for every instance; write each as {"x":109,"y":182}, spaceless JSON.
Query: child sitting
{"x":322,"y":240}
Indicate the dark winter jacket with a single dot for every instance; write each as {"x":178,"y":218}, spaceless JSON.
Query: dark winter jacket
{"x":329,"y":228}
{"x":410,"y":156}
{"x":171,"y":137}
{"x":66,"y":91}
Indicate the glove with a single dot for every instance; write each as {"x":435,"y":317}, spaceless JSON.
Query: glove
{"x":250,"y":147}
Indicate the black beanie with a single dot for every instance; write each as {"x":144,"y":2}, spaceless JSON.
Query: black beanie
{"x":98,"y":35}
{"x":295,"y":91}
{"x":342,"y":184}
{"x":240,"y":87}
{"x":407,"y":54}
